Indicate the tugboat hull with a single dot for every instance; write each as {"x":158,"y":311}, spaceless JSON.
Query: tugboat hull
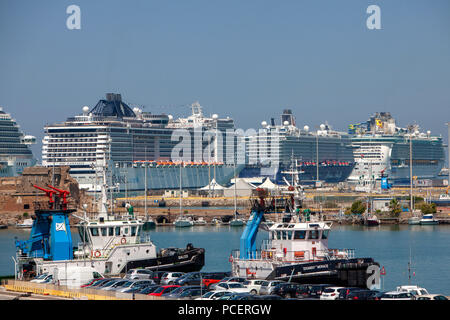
{"x":188,"y":261}
{"x":344,"y":272}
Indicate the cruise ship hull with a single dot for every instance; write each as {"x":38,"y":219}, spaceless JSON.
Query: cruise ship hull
{"x":132,"y":179}
{"x":329,"y":173}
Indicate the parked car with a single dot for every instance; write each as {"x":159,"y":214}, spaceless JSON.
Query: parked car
{"x":213,"y":295}
{"x":286,"y":290}
{"x":244,"y":296}
{"x":43,"y":278}
{"x":213,"y":277}
{"x":234,"y":287}
{"x":148,"y":290}
{"x":114,"y":285}
{"x":90,"y":283}
{"x":414,"y":290}
{"x":346,"y":291}
{"x":170,"y":277}
{"x":303,"y":291}
{"x":270,"y":297}
{"x":254,"y":285}
{"x":268,"y":286}
{"x":163,"y":289}
{"x":99,"y":283}
{"x":227,"y":279}
{"x":157,"y":275}
{"x":189,"y":279}
{"x":364,"y":294}
{"x":135,"y":284}
{"x":331,"y":293}
{"x":226,"y":296}
{"x":188,"y":294}
{"x":395,"y":295}
{"x":108,"y":283}
{"x":431,"y":297}
{"x":179,"y":290}
{"x":135,"y":274}
{"x":317,"y":289}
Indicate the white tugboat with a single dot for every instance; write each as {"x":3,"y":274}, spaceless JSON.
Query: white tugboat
{"x":296,"y":250}
{"x":111,"y":244}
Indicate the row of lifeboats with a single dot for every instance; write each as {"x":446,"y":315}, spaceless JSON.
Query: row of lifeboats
{"x":177,"y":163}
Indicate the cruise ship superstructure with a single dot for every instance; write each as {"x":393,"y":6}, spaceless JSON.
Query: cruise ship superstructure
{"x":323,"y":154}
{"x":381,"y":148}
{"x":134,"y":141}
{"x":15,"y":153}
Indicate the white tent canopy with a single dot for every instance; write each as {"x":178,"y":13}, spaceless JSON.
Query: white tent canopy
{"x":213,"y":185}
{"x":268,"y":184}
{"x":243,"y":189}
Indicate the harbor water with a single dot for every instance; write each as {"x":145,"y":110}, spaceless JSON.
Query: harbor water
{"x":391,"y":245}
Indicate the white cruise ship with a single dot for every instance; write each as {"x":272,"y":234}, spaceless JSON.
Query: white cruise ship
{"x":383,"y":149}
{"x":134,"y":140}
{"x":15,"y":153}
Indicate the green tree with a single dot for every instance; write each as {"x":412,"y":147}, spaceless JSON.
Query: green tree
{"x":427,"y":208}
{"x":395,"y":207}
{"x":358,"y":207}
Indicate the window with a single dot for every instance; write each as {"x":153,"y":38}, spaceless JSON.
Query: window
{"x":314,"y":234}
{"x":104,"y":233}
{"x":125,"y":231}
{"x":299,"y":235}
{"x":289,"y":234}
{"x":133,"y":231}
{"x":325,"y":234}
{"x":117,"y":231}
{"x":94,"y":232}
{"x":111,"y":231}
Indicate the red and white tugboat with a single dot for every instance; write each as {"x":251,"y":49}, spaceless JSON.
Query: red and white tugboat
{"x":296,"y":250}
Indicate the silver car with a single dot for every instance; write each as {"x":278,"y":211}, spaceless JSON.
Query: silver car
{"x":114,"y":285}
{"x":169,"y":277}
{"x":139,"y":274}
{"x":268,"y":286}
{"x":134,"y":284}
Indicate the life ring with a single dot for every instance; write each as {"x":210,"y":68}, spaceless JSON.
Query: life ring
{"x":97,"y":254}
{"x":123,"y":240}
{"x":231,"y":258}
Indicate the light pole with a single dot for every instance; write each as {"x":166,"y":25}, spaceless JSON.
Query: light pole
{"x":448,"y":147}
{"x":410,"y":173}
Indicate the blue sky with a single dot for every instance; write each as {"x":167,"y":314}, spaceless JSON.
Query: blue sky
{"x":244,"y":59}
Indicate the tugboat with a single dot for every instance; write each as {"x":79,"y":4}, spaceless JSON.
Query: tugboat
{"x":297,"y":250}
{"x":112,"y":244}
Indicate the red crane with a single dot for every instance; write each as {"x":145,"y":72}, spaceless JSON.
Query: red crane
{"x":49,"y":193}
{"x":62,"y":194}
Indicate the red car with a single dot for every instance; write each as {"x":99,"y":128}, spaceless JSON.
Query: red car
{"x":162,"y":290}
{"x":91,"y":282}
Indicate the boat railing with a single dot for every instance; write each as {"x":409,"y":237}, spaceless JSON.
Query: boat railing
{"x":276,"y":255}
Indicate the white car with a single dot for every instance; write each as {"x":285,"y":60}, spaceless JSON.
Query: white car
{"x":395,"y":295}
{"x":43,"y":278}
{"x":169,"y":277}
{"x":330,"y":293}
{"x":414,"y":290}
{"x":431,"y":297}
{"x":213,"y":295}
{"x":253,"y":285}
{"x":234,"y":287}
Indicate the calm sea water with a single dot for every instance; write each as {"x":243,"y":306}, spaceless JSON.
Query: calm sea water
{"x":391,"y":246}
